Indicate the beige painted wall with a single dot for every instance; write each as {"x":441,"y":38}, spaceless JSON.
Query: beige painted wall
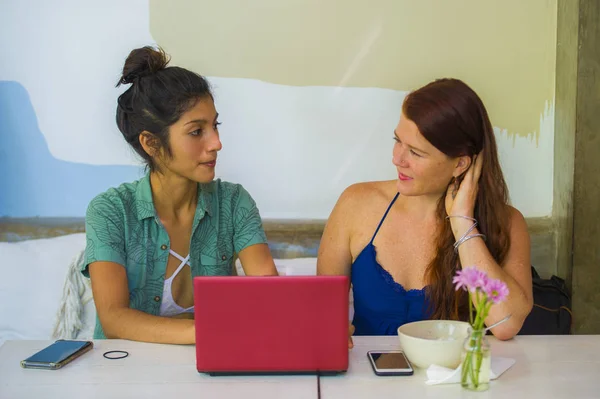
{"x":505,"y":49}
{"x":327,"y":78}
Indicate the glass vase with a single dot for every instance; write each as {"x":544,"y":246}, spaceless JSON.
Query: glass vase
{"x":476,"y":362}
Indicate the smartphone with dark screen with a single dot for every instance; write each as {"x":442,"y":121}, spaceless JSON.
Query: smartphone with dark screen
{"x":57,"y":354}
{"x":388,"y":363}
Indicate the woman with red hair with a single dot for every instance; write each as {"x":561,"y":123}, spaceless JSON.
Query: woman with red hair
{"x":402,"y":241}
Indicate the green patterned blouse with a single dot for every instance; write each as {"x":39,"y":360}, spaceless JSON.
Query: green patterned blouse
{"x":122,"y":227}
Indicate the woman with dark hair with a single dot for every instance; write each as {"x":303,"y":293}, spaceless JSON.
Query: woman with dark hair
{"x":447,"y":209}
{"x":146,"y":240}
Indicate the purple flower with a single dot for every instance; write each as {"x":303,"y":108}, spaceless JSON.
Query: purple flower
{"x":469,"y":278}
{"x":496,"y":290}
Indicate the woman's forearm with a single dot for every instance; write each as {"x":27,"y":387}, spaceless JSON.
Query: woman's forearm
{"x":475,"y":253}
{"x":135,"y":325}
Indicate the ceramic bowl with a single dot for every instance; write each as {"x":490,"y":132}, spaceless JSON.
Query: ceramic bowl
{"x":430,"y":342}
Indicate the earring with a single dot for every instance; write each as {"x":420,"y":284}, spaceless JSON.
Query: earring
{"x":455,"y":188}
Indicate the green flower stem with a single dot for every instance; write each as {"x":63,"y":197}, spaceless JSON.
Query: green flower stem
{"x":465,"y":367}
{"x":482,"y":308}
{"x":470,"y":309}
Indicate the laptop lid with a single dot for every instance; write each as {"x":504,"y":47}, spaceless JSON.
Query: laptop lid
{"x":275,"y":324}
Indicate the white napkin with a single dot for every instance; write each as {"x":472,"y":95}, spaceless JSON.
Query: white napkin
{"x":442,"y":375}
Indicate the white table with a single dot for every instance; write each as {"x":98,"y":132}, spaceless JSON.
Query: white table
{"x":546,"y":367}
{"x":150,"y":371}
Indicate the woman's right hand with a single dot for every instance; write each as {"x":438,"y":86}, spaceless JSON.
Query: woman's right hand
{"x":350,"y":333}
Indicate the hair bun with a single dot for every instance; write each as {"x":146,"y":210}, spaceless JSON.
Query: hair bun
{"x":142,"y":62}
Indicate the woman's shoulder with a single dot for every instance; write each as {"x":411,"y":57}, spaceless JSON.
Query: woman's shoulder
{"x":122,"y":191}
{"x":226,"y":192}
{"x":361,"y":198}
{"x":516,"y":219}
{"x":369,"y":192}
{"x":120,"y":199}
{"x":227,"y":198}
{"x":514,"y":213}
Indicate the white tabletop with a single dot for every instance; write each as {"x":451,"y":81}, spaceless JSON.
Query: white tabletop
{"x":546,"y":367}
{"x":150,"y":371}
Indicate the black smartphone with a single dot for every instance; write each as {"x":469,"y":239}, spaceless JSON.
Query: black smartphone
{"x":57,"y":354}
{"x":387,"y":363}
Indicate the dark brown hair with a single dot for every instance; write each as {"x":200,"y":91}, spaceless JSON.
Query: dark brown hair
{"x":452,"y":117}
{"x":157,"y":98}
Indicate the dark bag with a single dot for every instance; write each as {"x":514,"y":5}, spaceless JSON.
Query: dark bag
{"x":551,"y":313}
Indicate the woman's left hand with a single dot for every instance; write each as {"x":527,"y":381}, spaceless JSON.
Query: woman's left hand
{"x":461,"y":201}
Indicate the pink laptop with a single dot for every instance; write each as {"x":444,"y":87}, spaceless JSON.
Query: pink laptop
{"x":276,"y":324}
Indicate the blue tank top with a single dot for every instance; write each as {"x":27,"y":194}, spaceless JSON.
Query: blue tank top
{"x":381,"y":305}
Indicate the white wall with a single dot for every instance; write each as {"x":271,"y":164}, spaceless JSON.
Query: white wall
{"x":294,"y":148}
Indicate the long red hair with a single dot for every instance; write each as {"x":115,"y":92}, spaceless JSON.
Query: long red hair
{"x":452,"y":117}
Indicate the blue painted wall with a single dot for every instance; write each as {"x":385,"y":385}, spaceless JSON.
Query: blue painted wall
{"x":33,"y":182}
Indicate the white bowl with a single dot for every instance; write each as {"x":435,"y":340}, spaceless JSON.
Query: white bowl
{"x":430,"y":342}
